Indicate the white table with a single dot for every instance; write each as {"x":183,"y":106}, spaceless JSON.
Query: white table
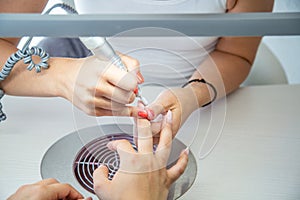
{"x":257,"y":156}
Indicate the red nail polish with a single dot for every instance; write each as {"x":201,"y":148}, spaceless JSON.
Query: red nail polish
{"x":143,"y":114}
{"x":140,"y":77}
{"x":136,"y":90}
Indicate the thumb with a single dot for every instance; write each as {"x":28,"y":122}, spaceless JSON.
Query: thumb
{"x":157,"y":108}
{"x":177,"y":170}
{"x":100,"y":178}
{"x":164,"y":102}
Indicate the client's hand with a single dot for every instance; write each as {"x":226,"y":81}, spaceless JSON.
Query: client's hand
{"x":180,"y":101}
{"x":142,"y":174}
{"x":48,"y":189}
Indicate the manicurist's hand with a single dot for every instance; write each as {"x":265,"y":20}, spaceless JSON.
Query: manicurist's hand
{"x":95,"y":86}
{"x":142,"y":174}
{"x":100,"y":88}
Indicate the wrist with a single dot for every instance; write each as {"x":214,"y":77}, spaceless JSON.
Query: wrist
{"x":204,"y":91}
{"x":65,"y":73}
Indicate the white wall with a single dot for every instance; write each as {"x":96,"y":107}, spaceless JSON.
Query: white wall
{"x":287,"y":48}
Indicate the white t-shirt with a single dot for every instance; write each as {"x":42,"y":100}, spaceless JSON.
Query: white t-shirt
{"x":168,"y":61}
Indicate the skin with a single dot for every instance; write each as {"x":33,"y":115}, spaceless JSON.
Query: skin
{"x":48,"y":189}
{"x":145,"y":171}
{"x":106,"y":92}
{"x":226,"y":68}
{"x":109,"y":89}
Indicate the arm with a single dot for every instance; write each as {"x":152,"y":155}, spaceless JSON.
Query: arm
{"x":226,"y":68}
{"x":233,"y":56}
{"x":8,"y":45}
{"x":94,"y":86}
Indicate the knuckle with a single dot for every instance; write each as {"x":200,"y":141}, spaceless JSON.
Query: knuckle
{"x":67,"y":185}
{"x":98,"y":185}
{"x":23,"y":188}
{"x":39,"y":190}
{"x":98,"y":91}
{"x":52,"y":180}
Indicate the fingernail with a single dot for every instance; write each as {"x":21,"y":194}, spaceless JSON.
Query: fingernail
{"x":150,"y":114}
{"x":89,"y":198}
{"x":136,"y":90}
{"x":169,"y":117}
{"x":143,"y":114}
{"x":187,"y":151}
{"x":159,"y":118}
{"x":140,"y":77}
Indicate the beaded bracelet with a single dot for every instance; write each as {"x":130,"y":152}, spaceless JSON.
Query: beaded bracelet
{"x":203,"y":81}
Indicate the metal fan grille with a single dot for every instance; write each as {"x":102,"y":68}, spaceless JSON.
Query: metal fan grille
{"x":95,"y":153}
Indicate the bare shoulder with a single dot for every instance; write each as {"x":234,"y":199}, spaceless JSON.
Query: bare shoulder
{"x":249,"y":5}
{"x":22,"y":6}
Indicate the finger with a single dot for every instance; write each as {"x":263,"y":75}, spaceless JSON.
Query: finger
{"x":177,"y":170}
{"x":64,"y":191}
{"x":156,"y":124}
{"x":141,"y":106}
{"x":133,"y":66}
{"x":166,"y":133}
{"x":135,"y":132}
{"x":47,"y":181}
{"x":164,"y":102}
{"x":120,"y":78}
{"x":114,"y":93}
{"x":100,"y":179}
{"x":121,"y":146}
{"x":88,"y":198}
{"x":126,"y":111}
{"x":156,"y":130}
{"x":145,"y":142}
{"x":131,"y":63}
{"x":107,"y":104}
{"x":156,"y":108}
{"x":140,"y":77}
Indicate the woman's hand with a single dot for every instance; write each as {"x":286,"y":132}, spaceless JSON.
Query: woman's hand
{"x":48,"y":189}
{"x":142,"y":174}
{"x":180,"y":101}
{"x":99,"y":88}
